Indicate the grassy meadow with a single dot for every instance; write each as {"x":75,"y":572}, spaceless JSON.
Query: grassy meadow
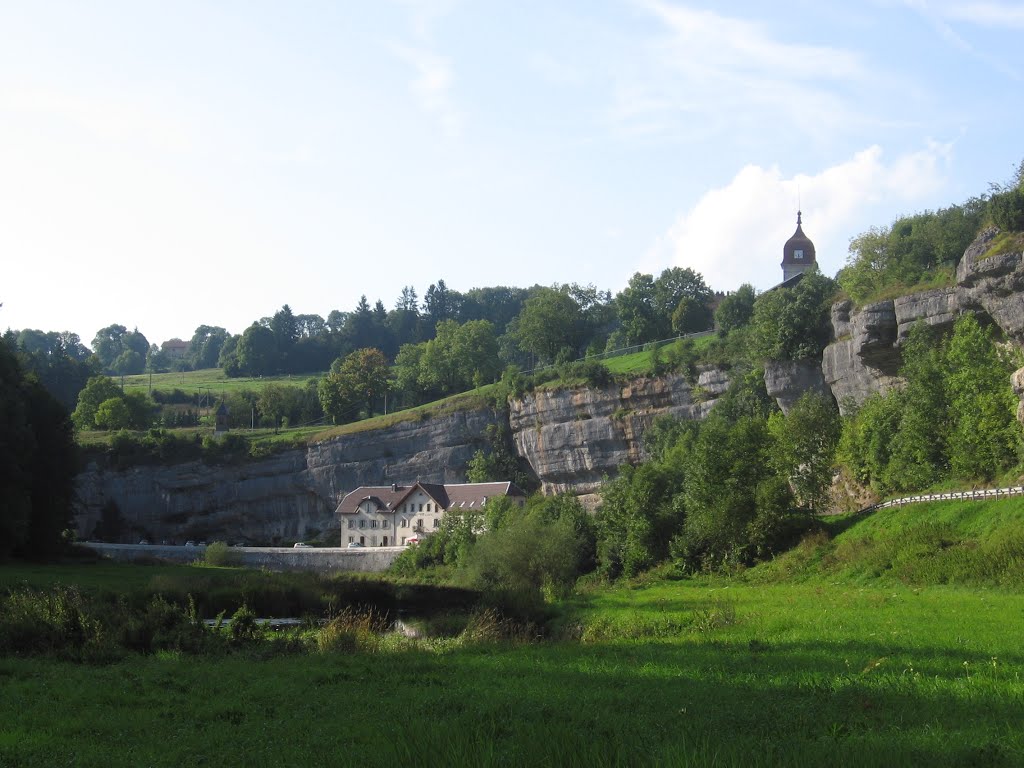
{"x":211,"y":381}
{"x":836,"y":653}
{"x":639,"y":363}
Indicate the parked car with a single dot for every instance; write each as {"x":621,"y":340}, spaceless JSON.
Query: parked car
{"x":143,"y":541}
{"x":413,"y":540}
{"x":190,"y":543}
{"x":301,"y":545}
{"x":354,"y":545}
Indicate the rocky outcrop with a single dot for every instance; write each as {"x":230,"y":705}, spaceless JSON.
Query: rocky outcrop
{"x":289,"y":496}
{"x":1017,"y":382}
{"x":849,"y":378}
{"x":865,"y":355}
{"x":789,"y":380}
{"x":938,"y":309}
{"x":571,"y":438}
{"x":993,"y":285}
{"x":574,"y":438}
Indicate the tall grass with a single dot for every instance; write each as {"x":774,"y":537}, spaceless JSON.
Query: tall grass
{"x":969,"y":543}
{"x":840,"y":653}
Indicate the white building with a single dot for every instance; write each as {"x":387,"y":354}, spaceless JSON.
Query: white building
{"x":388,"y":516}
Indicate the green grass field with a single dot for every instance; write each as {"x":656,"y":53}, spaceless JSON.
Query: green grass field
{"x":640,"y":362}
{"x":826,"y":656}
{"x":209,"y":380}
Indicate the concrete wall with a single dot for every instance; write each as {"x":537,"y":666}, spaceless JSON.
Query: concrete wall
{"x":323,"y":559}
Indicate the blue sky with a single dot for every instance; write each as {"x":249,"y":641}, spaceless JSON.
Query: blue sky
{"x":165,"y":165}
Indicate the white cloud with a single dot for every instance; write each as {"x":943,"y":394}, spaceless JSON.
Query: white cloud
{"x":989,"y":15}
{"x":720,"y":44}
{"x":728,"y":71}
{"x":434,"y":74}
{"x":432,"y":85}
{"x":1000,"y":15}
{"x":734,"y":234}
{"x":423,"y":14}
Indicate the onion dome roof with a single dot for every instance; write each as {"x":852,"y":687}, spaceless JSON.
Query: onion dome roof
{"x":798,"y":249}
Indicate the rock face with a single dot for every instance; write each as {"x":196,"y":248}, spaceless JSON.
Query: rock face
{"x":1017,"y":382}
{"x":993,"y":285}
{"x":788,"y":380}
{"x":865,"y":355}
{"x":574,"y":438}
{"x":287,"y":496}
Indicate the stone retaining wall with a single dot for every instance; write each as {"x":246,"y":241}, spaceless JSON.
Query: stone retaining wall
{"x":323,"y":559}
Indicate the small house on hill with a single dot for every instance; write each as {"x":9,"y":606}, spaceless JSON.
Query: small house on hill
{"x":388,"y":516}
{"x":175,"y":349}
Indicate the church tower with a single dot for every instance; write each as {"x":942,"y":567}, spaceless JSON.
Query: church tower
{"x":797,"y":253}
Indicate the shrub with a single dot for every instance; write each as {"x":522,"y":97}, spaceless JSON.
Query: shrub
{"x":1007,"y":210}
{"x":352,"y":630}
{"x":219,"y":554}
{"x":244,"y":628}
{"x":162,"y":626}
{"x":62,"y":621}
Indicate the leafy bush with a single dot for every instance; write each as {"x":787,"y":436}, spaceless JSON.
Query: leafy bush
{"x":163,"y":626}
{"x":910,"y":251}
{"x":1007,"y":210}
{"x":61,"y":621}
{"x":956,"y":415}
{"x":794,"y":323}
{"x":244,"y":628}
{"x":219,"y":554}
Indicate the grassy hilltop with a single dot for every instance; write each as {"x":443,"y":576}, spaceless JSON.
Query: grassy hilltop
{"x":892,"y":639}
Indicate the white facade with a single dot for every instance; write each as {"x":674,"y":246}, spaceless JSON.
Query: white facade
{"x":388,"y":517}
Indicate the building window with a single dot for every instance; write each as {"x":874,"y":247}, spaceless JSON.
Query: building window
{"x":362,"y":540}
{"x":373,"y":523}
{"x":437,"y":522}
{"x":351,"y":539}
{"x":383,"y":523}
{"x":421,"y":507}
{"x":428,"y":506}
{"x":419,"y":524}
{"x":351,"y":523}
{"x":362,"y":523}
{"x":403,"y":541}
{"x":404,"y":523}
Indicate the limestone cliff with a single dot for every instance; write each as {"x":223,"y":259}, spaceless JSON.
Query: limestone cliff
{"x":574,"y":438}
{"x":287,"y":496}
{"x":865,"y":357}
{"x":571,"y":438}
{"x":788,"y":380}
